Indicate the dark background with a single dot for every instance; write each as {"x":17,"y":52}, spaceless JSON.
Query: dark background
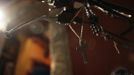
{"x":102,"y":56}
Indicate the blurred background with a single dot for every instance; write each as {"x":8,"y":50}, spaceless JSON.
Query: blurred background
{"x":27,"y":50}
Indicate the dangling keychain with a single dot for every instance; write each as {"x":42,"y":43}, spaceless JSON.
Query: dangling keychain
{"x":83,"y":47}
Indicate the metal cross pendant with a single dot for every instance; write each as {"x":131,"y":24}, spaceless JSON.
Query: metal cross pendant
{"x":83,"y":48}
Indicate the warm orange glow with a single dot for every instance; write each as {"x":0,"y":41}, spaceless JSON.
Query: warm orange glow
{"x":32,"y":50}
